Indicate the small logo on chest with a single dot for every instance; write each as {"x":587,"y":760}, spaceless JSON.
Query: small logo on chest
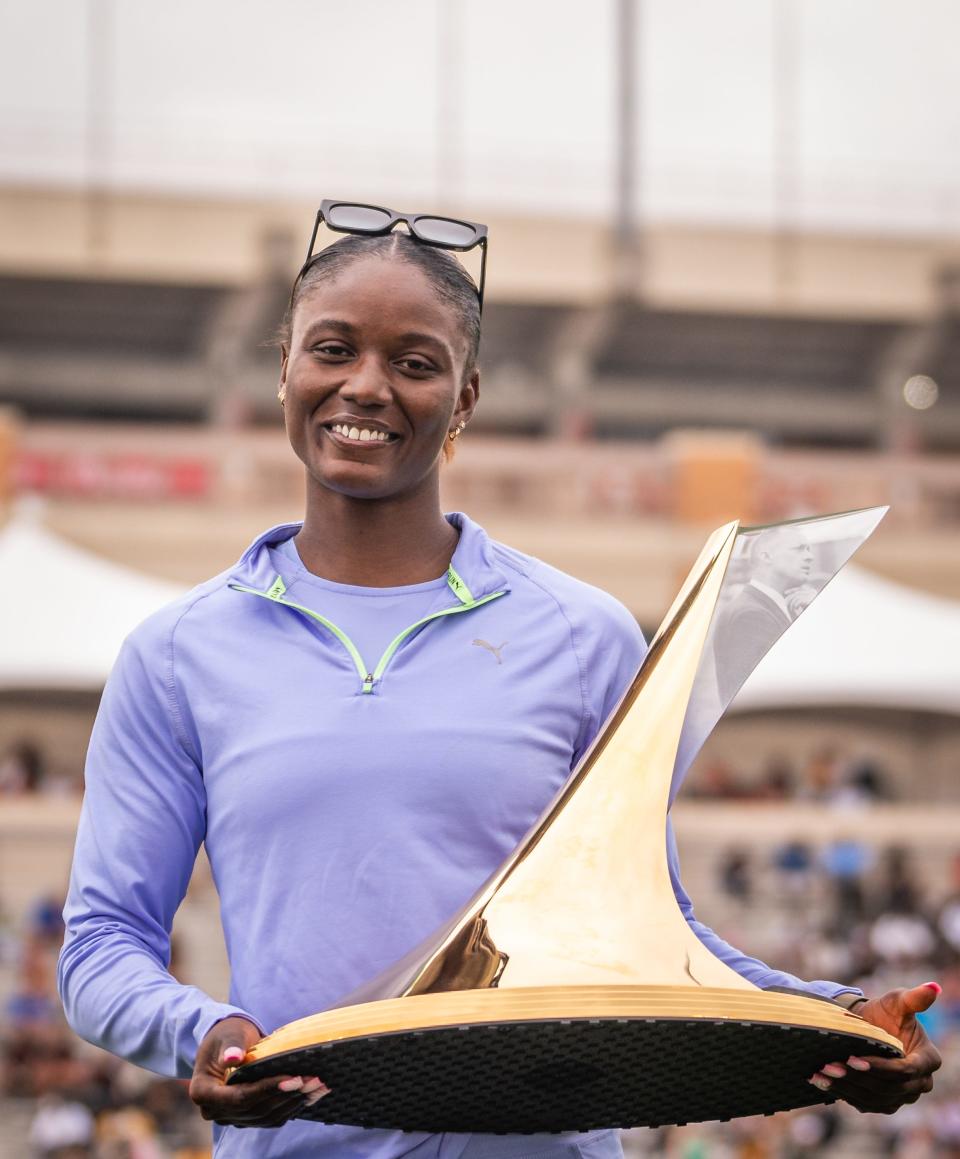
{"x":495,"y":649}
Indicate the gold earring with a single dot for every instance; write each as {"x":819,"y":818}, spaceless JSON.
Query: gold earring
{"x":282,"y":396}
{"x":455,"y":434}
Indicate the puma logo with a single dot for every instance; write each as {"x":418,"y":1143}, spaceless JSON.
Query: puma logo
{"x":490,"y":648}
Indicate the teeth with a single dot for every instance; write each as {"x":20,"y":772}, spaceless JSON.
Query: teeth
{"x":359,"y":435}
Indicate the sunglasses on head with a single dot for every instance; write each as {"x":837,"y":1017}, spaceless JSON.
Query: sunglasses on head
{"x":448,"y":233}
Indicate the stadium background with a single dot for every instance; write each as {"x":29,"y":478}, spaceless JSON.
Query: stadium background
{"x":724,"y":280}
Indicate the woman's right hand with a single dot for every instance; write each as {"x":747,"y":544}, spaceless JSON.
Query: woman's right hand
{"x":267,"y":1103}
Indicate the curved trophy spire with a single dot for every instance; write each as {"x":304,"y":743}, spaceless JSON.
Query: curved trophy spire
{"x":578,"y":934}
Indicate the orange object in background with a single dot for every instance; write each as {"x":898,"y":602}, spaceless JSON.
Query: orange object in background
{"x":9,"y":444}
{"x":715,"y":475}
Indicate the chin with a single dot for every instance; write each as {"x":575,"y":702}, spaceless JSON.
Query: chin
{"x":361,"y":484}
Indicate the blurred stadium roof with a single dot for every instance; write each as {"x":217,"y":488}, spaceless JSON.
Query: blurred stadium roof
{"x":809,"y":114}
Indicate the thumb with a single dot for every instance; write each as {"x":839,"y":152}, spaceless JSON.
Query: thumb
{"x":231,"y":1039}
{"x":920,"y":998}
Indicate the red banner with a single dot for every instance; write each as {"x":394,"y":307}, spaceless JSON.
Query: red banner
{"x":127,"y":476}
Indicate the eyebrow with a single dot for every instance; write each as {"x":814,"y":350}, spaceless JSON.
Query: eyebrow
{"x":417,"y":337}
{"x":340,"y":326}
{"x":336,"y":324}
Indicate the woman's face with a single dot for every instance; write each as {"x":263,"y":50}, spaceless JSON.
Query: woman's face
{"x":373,"y":380}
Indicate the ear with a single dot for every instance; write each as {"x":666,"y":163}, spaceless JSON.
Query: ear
{"x":467,"y":400}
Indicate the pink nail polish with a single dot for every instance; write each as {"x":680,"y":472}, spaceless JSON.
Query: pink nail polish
{"x":233,"y":1054}
{"x":935,"y":987}
{"x":316,"y":1096}
{"x":293,"y":1084}
{"x":834,"y":1070}
{"x":821,"y":1083}
{"x":858,"y":1063}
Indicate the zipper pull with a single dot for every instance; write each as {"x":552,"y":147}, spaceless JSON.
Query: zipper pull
{"x":368,"y":682}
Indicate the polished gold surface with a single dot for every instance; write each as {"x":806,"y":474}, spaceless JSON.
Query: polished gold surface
{"x":586,"y":897}
{"x":581,"y":922}
{"x":547,"y":1003}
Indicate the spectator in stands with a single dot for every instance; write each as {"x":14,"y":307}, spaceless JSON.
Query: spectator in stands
{"x":823,"y":772}
{"x":948,"y":916}
{"x":777,"y":781}
{"x":897,"y":890}
{"x":736,"y":879}
{"x":716,"y":782}
{"x":21,"y":769}
{"x":846,"y":861}
{"x":794,"y":862}
{"x":62,"y":1129}
{"x":868,"y":779}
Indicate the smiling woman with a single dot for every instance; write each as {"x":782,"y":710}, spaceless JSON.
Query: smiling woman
{"x":354,"y":764}
{"x":378,"y":375}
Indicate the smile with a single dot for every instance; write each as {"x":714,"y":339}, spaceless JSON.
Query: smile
{"x":360,"y":434}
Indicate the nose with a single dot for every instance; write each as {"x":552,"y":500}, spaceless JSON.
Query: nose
{"x":368,"y":384}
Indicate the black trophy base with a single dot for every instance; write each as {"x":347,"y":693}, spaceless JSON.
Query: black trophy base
{"x":553,"y":1075}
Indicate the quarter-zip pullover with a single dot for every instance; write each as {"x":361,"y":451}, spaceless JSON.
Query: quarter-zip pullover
{"x":346,"y":813}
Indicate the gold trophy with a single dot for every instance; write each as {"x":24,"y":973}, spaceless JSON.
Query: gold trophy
{"x":570,"y":993}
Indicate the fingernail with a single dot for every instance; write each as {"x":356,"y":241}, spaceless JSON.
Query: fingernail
{"x":820,"y":1082}
{"x":858,"y":1063}
{"x":935,"y":987}
{"x":316,"y":1097}
{"x":293,"y":1084}
{"x":313,"y":1084}
{"x":835,"y":1070}
{"x":233,"y":1054}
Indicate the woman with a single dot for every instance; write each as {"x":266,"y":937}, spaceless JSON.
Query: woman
{"x":348,"y":805}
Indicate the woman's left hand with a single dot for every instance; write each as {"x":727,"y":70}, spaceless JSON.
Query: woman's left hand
{"x":883,"y":1085}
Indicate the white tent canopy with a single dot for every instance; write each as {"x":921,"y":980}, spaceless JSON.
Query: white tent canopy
{"x":63,"y":611}
{"x":864,"y":641}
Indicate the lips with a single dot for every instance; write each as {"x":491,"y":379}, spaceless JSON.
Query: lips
{"x":360,"y":432}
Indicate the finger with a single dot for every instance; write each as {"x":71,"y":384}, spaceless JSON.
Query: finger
{"x":833,"y":1070}
{"x":862,"y":1084}
{"x":884,"y":1099}
{"x":920,"y":998}
{"x":918,"y":1062}
{"x":211,"y":1094}
{"x":252,"y":1114}
{"x":316,"y":1096}
{"x":281,"y":1118}
{"x":272,"y":1102}
{"x":275,"y":1116}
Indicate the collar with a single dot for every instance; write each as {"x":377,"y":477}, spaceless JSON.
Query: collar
{"x":473,"y":560}
{"x":772,"y":594}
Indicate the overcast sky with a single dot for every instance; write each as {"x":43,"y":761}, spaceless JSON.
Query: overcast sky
{"x":498,"y":104}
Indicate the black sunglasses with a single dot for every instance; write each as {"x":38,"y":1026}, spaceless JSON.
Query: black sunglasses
{"x":449,"y":233}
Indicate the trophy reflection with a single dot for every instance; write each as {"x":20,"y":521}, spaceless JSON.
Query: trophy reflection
{"x":571,"y":993}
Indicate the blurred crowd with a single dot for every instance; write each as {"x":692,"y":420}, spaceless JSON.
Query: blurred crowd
{"x":846,"y":910}
{"x":826,"y":776}
{"x":858,"y":915}
{"x":24,"y":772}
{"x":70,"y":1100}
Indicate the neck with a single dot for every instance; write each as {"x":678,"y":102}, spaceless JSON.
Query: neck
{"x":375,"y":543}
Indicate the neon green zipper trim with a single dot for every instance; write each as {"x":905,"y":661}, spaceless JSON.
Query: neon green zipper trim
{"x":277,"y":589}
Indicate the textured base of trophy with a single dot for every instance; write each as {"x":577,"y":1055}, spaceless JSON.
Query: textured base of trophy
{"x":571,"y":992}
{"x":567,"y":1059}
